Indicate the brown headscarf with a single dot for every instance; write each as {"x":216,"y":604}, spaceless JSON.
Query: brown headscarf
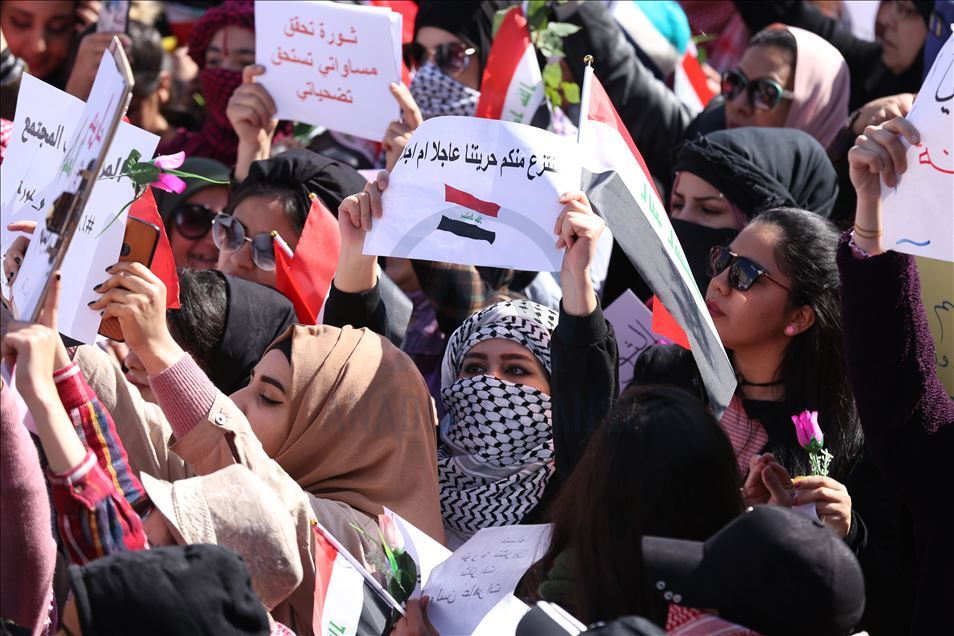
{"x":363,"y":425}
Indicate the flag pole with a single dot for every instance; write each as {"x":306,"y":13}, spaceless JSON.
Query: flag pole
{"x":280,"y":242}
{"x":585,"y":96}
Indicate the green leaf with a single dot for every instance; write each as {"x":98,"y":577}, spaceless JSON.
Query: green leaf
{"x":402,"y":583}
{"x":552,"y":75}
{"x":535,"y":6}
{"x":562,"y":29}
{"x":571,"y":90}
{"x":499,"y":18}
{"x":553,"y":95}
{"x":549,"y":44}
{"x":143,"y":173}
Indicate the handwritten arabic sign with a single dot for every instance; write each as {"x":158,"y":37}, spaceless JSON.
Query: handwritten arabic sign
{"x":480,"y":574}
{"x":632,"y":321}
{"x":919,"y":213}
{"x":330,"y":63}
{"x":30,"y":180}
{"x":477,"y":192}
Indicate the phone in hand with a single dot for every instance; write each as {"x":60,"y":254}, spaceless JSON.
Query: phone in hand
{"x":113,"y":16}
{"x":139,"y":246}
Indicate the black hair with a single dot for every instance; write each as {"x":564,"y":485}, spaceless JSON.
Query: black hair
{"x":779,"y":38}
{"x":199,"y":324}
{"x":293,"y":204}
{"x":145,"y":57}
{"x":658,"y":465}
{"x":813,"y":366}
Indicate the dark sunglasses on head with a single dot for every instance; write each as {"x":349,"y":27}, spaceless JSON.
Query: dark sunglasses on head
{"x":743,"y":272}
{"x":193,"y":220}
{"x":228,"y":233}
{"x":450,"y":57}
{"x":763,"y":93}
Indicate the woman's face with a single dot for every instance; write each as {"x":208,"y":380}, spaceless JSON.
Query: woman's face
{"x":753,"y":318}
{"x":258,"y":215}
{"x":432,"y":37}
{"x":758,"y":62}
{"x":903,"y":32}
{"x":41,"y":33}
{"x":231,"y":48}
{"x":505,"y":360}
{"x":200,"y":253}
{"x":695,"y":200}
{"x":265,"y":401}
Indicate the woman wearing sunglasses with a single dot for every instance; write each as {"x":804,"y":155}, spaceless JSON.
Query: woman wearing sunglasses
{"x":188,"y":215}
{"x":774,"y":297}
{"x":805,"y":86}
{"x":275,"y":197}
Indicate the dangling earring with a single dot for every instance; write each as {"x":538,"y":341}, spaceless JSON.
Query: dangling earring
{"x":790,"y":330}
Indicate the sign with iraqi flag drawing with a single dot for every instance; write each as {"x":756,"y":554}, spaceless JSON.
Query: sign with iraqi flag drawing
{"x":477,"y":192}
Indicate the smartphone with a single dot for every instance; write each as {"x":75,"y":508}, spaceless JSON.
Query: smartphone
{"x":139,"y":246}
{"x":113,"y":16}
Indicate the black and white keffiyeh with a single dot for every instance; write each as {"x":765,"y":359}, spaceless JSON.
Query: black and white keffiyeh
{"x":495,"y":455}
{"x":438,"y":94}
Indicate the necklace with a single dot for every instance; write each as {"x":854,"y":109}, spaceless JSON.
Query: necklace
{"x":744,"y":382}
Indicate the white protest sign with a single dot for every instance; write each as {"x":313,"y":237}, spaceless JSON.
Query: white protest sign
{"x":633,"y":323}
{"x":330,"y":64}
{"x":919,"y":211}
{"x":482,"y":573}
{"x":477,"y":192}
{"x":32,"y":168}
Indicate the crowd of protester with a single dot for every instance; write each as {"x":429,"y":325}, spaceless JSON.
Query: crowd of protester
{"x":169,"y":484}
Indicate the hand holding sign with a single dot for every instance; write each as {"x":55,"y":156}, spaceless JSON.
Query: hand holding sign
{"x":251,"y":112}
{"x":579,"y":230}
{"x":399,"y":131}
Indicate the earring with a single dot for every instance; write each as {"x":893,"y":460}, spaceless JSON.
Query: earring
{"x":790,"y":330}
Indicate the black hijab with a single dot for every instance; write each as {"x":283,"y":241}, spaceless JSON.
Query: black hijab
{"x":305,"y":171}
{"x":762,"y":168}
{"x":256,"y":316}
{"x":472,"y":22}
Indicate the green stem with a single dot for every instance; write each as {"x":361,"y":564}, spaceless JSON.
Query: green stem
{"x":189,"y":175}
{"x":120,"y":213}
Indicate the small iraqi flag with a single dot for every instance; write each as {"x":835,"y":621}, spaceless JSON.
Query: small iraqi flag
{"x":468,"y":207}
{"x":346,"y":603}
{"x":511,"y":88}
{"x":690,"y":83}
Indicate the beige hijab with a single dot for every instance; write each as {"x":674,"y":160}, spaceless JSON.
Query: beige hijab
{"x":362,"y":425}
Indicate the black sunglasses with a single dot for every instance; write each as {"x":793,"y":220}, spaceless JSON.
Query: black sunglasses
{"x":193,"y":220}
{"x":229,"y":235}
{"x":743,"y":272}
{"x":450,"y":57}
{"x":763,"y":93}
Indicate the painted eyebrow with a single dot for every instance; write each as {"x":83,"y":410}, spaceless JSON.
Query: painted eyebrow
{"x":478,"y":356}
{"x":516,"y":356}
{"x":245,"y":51}
{"x":708,"y":198}
{"x":275,"y":383}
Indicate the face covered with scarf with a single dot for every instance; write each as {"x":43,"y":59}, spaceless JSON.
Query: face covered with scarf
{"x":725,"y":179}
{"x":449,"y":84}
{"x":496,"y":444}
{"x":221,"y":44}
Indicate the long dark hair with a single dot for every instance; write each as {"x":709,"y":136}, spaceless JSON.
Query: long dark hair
{"x":660,"y":465}
{"x":813,"y":367}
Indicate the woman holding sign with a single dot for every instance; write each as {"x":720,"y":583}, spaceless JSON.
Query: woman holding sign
{"x":523,"y":385}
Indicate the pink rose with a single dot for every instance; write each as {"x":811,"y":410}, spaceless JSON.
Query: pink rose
{"x":807,"y":428}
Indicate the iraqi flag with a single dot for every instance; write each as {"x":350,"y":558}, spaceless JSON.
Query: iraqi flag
{"x":467,"y":207}
{"x":512,"y":86}
{"x":348,"y":601}
{"x":305,"y":276}
{"x":689,"y":82}
{"x":618,"y":185}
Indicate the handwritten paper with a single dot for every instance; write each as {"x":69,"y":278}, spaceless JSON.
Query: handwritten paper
{"x":937,"y":294}
{"x":477,"y":192}
{"x":480,"y":574}
{"x":632,"y":321}
{"x":330,"y":64}
{"x":35,"y":168}
{"x":919,"y":212}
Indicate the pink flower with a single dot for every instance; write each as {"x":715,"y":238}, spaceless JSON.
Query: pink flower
{"x":807,"y":428}
{"x":169,"y":162}
{"x":169,"y":183}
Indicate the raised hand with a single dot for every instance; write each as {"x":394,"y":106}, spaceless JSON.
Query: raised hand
{"x":251,"y":111}
{"x":579,"y":230}
{"x":357,"y":272}
{"x":399,"y":132}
